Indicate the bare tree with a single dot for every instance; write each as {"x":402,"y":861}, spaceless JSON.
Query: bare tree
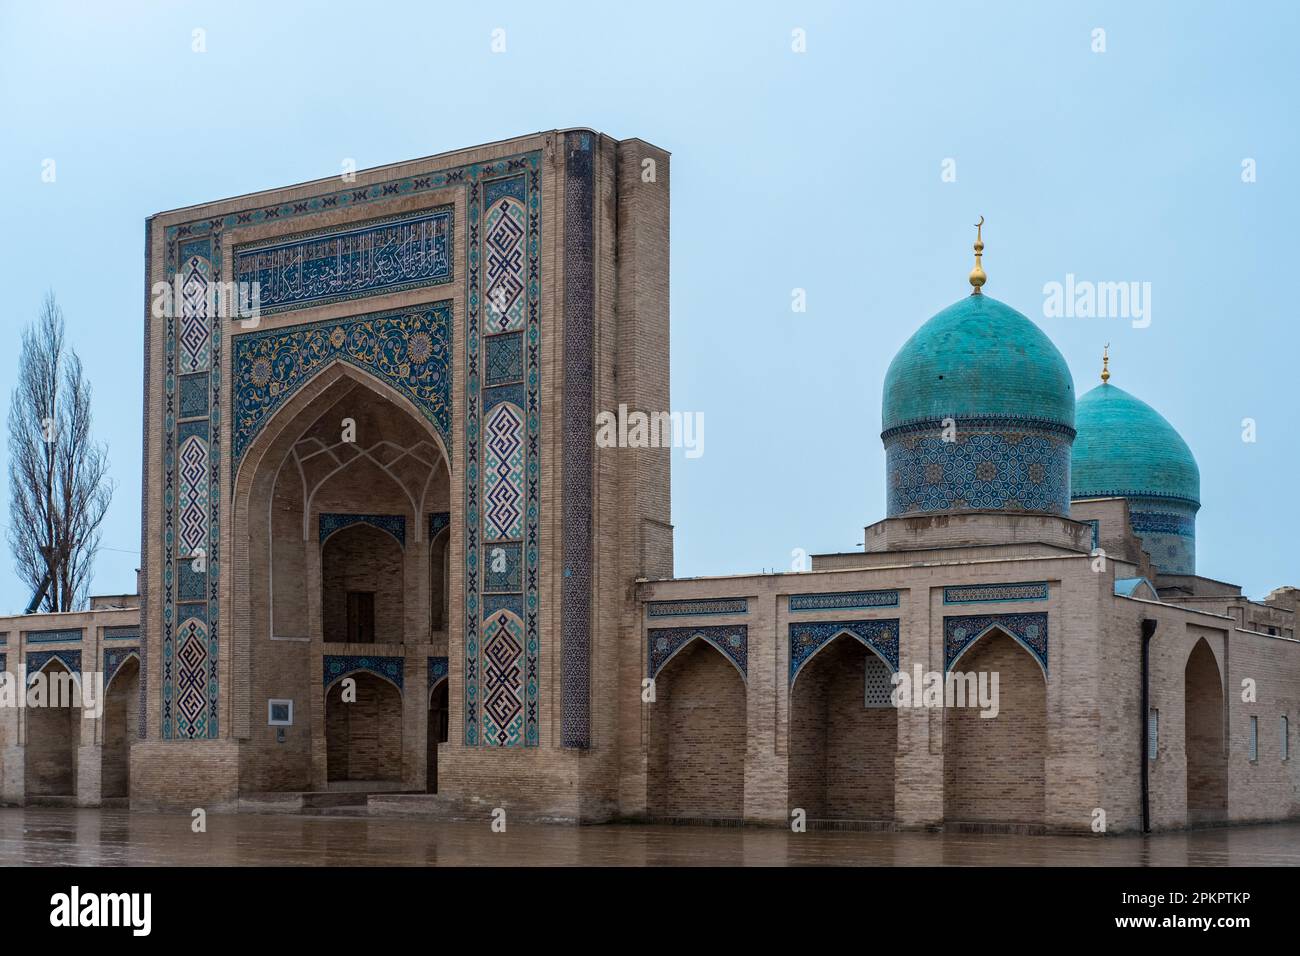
{"x":58,"y":476}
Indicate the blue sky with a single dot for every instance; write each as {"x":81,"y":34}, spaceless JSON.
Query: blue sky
{"x":819,"y":171}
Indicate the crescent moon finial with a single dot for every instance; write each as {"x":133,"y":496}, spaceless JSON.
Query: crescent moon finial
{"x":977,"y":276}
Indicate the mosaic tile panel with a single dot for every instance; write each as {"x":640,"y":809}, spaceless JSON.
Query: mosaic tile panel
{"x":698,"y":606}
{"x":387,"y":255}
{"x":437,"y":522}
{"x":335,"y":666}
{"x":409,"y":349}
{"x":114,"y":658}
{"x":577,"y":437}
{"x":503,"y":472}
{"x":843,"y":600}
{"x":806,"y":639}
{"x":503,"y":679}
{"x":196,"y":301}
{"x":124,"y":633}
{"x":503,"y":361}
{"x":992,"y":466}
{"x":394,"y":525}
{"x":989,"y":593}
{"x":191,"y":585}
{"x":64,"y":635}
{"x":194,"y":395}
{"x":502,"y":448}
{"x":191,"y":665}
{"x":731,"y":639}
{"x":36,"y":661}
{"x":438,"y":670}
{"x":1167,"y":528}
{"x":503,"y":570}
{"x":959,"y":633}
{"x":192,"y":517}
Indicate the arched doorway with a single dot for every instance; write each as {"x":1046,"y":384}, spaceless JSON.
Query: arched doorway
{"x":696,"y":760}
{"x":843,"y":734}
{"x":121,"y":718}
{"x":348,"y":445}
{"x":1207,"y":761}
{"x":53,"y":734}
{"x":994,"y":767}
{"x":363,"y":737}
{"x":437,"y":732}
{"x":362,"y":593}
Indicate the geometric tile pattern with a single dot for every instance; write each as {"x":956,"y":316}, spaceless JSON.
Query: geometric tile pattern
{"x":503,"y":572}
{"x":503,"y":361}
{"x":1029,"y":630}
{"x":394,"y":525}
{"x":409,"y":349}
{"x":731,"y":639}
{"x":807,"y":639}
{"x":503,"y":679}
{"x":335,"y":666}
{"x":576,"y":449}
{"x":988,"y":593}
{"x":502,"y":452}
{"x":698,"y":606}
{"x":191,"y":517}
{"x":331,"y":264}
{"x":193,"y":501}
{"x":194,"y":676}
{"x":843,"y":600}
{"x":880,"y":684}
{"x":503,"y":247}
{"x":503,"y":472}
{"x":1020,"y":466}
{"x":194,"y":395}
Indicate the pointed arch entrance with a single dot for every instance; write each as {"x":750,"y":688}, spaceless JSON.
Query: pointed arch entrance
{"x":696,"y":761}
{"x":994,"y":767}
{"x":330,"y":557}
{"x":843,"y":733}
{"x":1207,"y":759}
{"x":53,"y":732}
{"x":121,"y":714}
{"x":363,"y":735}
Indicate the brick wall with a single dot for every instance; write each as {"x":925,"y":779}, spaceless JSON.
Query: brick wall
{"x":697,"y":739}
{"x":363,"y":558}
{"x":994,"y":767}
{"x":364,"y":738}
{"x":841,"y":752}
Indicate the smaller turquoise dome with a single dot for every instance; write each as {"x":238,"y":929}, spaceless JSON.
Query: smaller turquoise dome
{"x":978,"y":358}
{"x":1124,"y":448}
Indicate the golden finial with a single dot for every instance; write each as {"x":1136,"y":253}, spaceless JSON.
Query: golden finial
{"x":1105,"y":364}
{"x":977,"y":276}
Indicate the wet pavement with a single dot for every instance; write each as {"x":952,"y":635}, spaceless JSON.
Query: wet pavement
{"x":40,"y":836}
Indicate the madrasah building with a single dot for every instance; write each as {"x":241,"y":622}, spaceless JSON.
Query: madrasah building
{"x":385,"y":564}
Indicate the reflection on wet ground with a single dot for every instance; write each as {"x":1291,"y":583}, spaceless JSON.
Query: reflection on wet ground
{"x":40,"y":836}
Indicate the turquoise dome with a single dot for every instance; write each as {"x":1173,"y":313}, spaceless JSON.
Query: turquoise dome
{"x":1126,"y":449}
{"x":978,"y":358}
